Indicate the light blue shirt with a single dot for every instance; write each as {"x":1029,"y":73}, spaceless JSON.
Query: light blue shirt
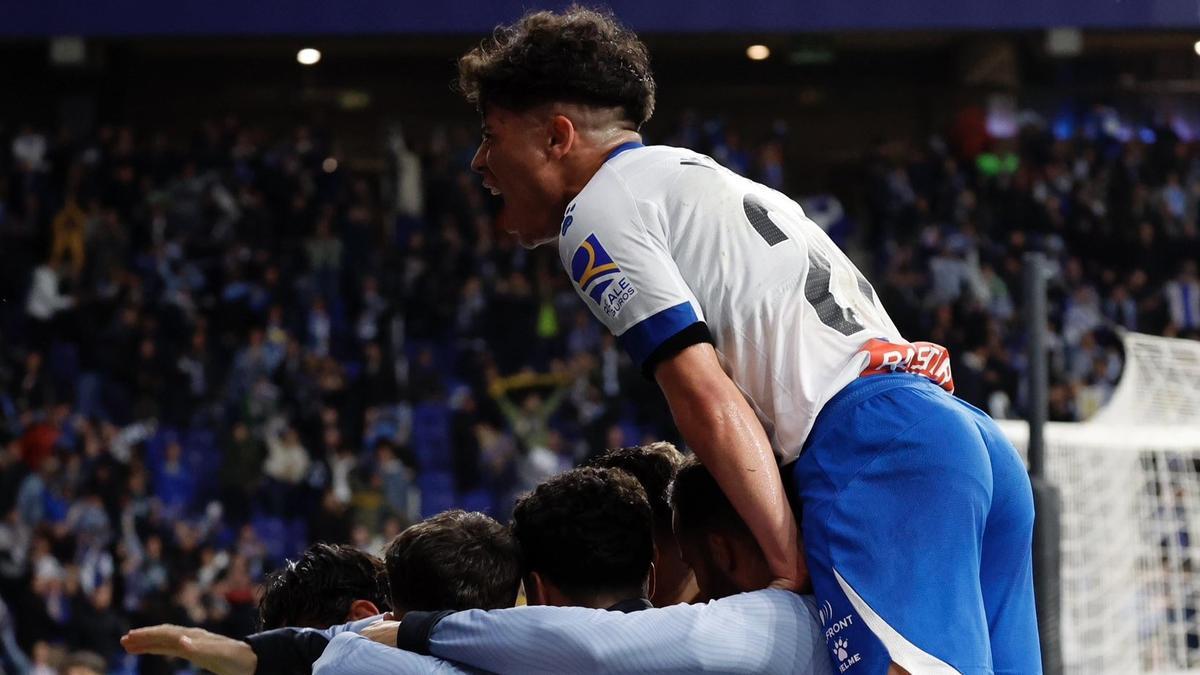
{"x":350,"y":653}
{"x":768,"y":631}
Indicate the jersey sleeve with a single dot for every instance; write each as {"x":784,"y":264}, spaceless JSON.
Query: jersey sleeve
{"x":768,"y":631}
{"x":620,"y":263}
{"x":352,"y":653}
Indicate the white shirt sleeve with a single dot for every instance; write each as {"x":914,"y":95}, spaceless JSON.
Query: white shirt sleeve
{"x":350,"y":653}
{"x":622,"y":268}
{"x":768,"y":631}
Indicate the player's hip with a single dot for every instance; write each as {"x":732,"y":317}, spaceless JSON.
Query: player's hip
{"x":889,"y":427}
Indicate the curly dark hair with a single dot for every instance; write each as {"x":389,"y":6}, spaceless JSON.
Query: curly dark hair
{"x":454,"y":560}
{"x":588,"y":530}
{"x":654,"y":466}
{"x":317,"y":590}
{"x":578,"y":56}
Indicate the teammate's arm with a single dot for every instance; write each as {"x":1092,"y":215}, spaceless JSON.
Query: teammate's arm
{"x":720,"y":427}
{"x":278,"y":650}
{"x":214,"y":653}
{"x":766,"y":631}
{"x":353,"y":653}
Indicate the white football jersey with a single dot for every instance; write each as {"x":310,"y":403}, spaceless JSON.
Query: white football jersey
{"x":662,"y":238}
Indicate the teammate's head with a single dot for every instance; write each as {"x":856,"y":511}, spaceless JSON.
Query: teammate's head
{"x":84,"y":663}
{"x":556,"y":90}
{"x":713,"y":538}
{"x":586,"y":539}
{"x":654,"y":466}
{"x":329,"y":584}
{"x":454,"y":560}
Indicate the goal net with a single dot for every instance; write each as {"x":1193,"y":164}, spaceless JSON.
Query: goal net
{"x":1130,"y":485}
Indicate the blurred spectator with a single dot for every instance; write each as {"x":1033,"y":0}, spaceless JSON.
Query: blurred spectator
{"x":96,"y":625}
{"x":46,"y":301}
{"x":66,"y":247}
{"x":29,"y":150}
{"x":42,"y":658}
{"x":12,"y":657}
{"x":1183,"y":299}
{"x":286,"y":465}
{"x":325,"y":257}
{"x":84,"y":663}
{"x":174,"y":482}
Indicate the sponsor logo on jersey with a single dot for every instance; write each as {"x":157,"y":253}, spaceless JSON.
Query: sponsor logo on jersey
{"x":597,"y":275}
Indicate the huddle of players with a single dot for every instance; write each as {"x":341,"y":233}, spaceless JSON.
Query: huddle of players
{"x":640,"y":527}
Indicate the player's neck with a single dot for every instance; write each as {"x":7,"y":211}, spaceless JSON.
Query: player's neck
{"x":605,"y":600}
{"x":592,"y":155}
{"x":684,"y":589}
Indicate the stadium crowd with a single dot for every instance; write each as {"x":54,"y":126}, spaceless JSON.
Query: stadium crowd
{"x":215,"y":352}
{"x":1115,"y":214}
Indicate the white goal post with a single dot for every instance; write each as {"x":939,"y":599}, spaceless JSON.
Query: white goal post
{"x":1130,"y":485}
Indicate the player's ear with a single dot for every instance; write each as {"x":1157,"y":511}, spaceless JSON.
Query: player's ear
{"x":361,"y":609}
{"x":561,"y":137}
{"x":535,"y":589}
{"x":720,"y":551}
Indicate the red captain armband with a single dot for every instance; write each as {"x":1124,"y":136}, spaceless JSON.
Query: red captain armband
{"x":926,"y":359}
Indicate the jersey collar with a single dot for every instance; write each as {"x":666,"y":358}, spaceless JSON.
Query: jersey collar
{"x":632,"y":604}
{"x":622,"y":148}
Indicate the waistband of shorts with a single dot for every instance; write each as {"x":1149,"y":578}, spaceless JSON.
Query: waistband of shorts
{"x":862,"y":388}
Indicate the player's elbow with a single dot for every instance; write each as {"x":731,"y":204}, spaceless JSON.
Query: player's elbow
{"x":705,"y":411}
{"x":694,"y":379}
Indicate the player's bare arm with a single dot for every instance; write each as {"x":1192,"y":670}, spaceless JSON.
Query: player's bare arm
{"x":212,"y":652}
{"x":720,"y":427}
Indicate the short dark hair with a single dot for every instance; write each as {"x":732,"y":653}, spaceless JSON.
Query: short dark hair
{"x":699,"y":503}
{"x":577,"y":56}
{"x":654,"y":465}
{"x":318,"y":589}
{"x":588,"y":530}
{"x":454,"y":560}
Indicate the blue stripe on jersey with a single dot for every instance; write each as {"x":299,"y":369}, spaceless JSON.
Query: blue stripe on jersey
{"x":645,"y":336}
{"x":622,"y":148}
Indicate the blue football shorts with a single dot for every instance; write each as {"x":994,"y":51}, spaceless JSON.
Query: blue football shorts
{"x":917,"y":521}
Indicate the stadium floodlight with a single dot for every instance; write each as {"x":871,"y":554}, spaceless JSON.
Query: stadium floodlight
{"x":308,"y":56}
{"x":758,"y":52}
{"x":1197,"y":47}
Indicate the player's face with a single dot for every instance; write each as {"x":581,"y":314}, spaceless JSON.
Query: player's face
{"x":712,"y":581}
{"x":724,"y":564}
{"x":516,"y":164}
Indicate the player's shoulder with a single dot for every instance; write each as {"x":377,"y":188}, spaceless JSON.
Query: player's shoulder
{"x":599,"y":205}
{"x":638,"y":181}
{"x":609,"y":200}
